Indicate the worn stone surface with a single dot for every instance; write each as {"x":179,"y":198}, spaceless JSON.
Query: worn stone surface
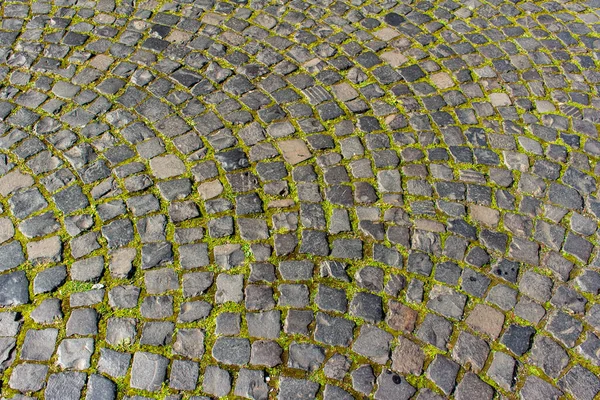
{"x":233,"y":198}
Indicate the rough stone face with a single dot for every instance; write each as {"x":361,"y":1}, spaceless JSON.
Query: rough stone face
{"x":49,"y":279}
{"x":471,"y":386}
{"x":75,"y":353}
{"x":216,"y":381}
{"x":114,"y":363}
{"x":363,"y":379}
{"x":266,"y":353}
{"x":486,"y":320}
{"x":120,"y":331}
{"x":148,"y":371}
{"x":447,"y":302}
{"x":65,"y":385}
{"x":537,"y":389}
{"x":251,"y":384}
{"x":14,"y":289}
{"x":470,"y":349}
{"x":407,"y":357}
{"x":502,"y":370}
{"x":294,"y":151}
{"x":189,"y":343}
{"x":373,"y":343}
{"x":335,"y":392}
{"x":7,"y":356}
{"x":443,"y":371}
{"x":28,"y":377}
{"x":307,"y":357}
{"x":99,"y":387}
{"x":336,"y":367}
{"x":435,"y":330}
{"x":518,"y":338}
{"x":264,"y":324}
{"x":83,"y":321}
{"x":580,"y":383}
{"x":297,"y":388}
{"x":235,"y":351}
{"x":39,"y":344}
{"x":334,"y":331}
{"x":367,"y":306}
{"x":548,"y":355}
{"x":392,"y":386}
{"x":400,"y":317}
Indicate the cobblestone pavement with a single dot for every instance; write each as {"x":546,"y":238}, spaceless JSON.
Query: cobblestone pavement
{"x":299,"y":199}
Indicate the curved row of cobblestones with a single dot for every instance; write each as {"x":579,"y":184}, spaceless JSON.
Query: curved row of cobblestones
{"x":299,"y":199}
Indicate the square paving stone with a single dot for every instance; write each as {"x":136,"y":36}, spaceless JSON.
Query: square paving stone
{"x":39,"y":344}
{"x":305,"y":356}
{"x":435,"y":330}
{"x":537,"y":389}
{"x":28,"y":377}
{"x":266,"y":353}
{"x":373,"y":343}
{"x":264,"y":325}
{"x":65,"y":385}
{"x":447,"y":302}
{"x":229,"y":288}
{"x":120,"y":331}
{"x":148,"y":371}
{"x":293,"y":295}
{"x":100,"y":387}
{"x":49,"y":279}
{"x":113,"y":363}
{"x":337,"y":367}
{"x":548,"y":355}
{"x":157,"y":333}
{"x":407,"y":357}
{"x":443,"y":371}
{"x":471,"y":386}
{"x":157,"y":307}
{"x":189,"y":342}
{"x":228,"y":324}
{"x":367,"y":306}
{"x":331,"y":299}
{"x":216,"y":381}
{"x":470,"y":349}
{"x":529,"y":310}
{"x":518,"y":338}
{"x":83,"y":321}
{"x":536,"y":286}
{"x":363,"y":379}
{"x":75,"y":353}
{"x":580,"y":382}
{"x":502,"y":370}
{"x":392,"y":386}
{"x":70,"y":199}
{"x":293,"y":388}
{"x":400,"y":317}
{"x":486,"y":319}
{"x":335,"y":392}
{"x":233,"y":351}
{"x":259,"y":297}
{"x":565,"y":328}
{"x":334,"y":331}
{"x":297,"y":322}
{"x":251,"y":384}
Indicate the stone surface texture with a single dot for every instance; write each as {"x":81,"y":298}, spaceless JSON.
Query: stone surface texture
{"x":299,"y":199}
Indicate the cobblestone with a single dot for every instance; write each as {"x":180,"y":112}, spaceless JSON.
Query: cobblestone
{"x":323,"y":199}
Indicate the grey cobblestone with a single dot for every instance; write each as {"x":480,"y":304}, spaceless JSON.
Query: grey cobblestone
{"x":323,"y":199}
